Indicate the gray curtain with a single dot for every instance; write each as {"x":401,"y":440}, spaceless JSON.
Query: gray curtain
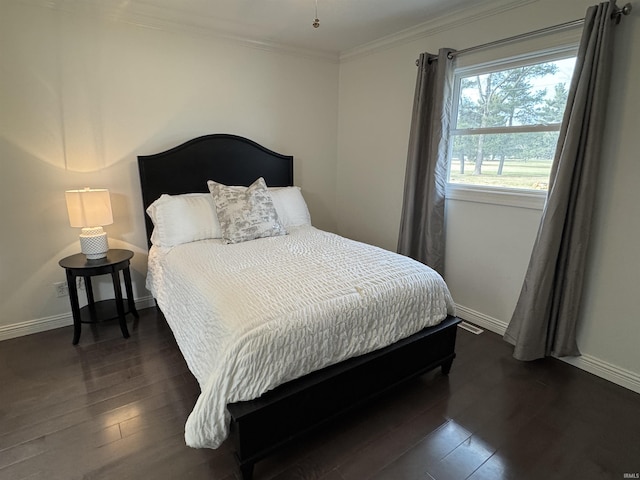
{"x":545,"y":318}
{"x":422,"y":232}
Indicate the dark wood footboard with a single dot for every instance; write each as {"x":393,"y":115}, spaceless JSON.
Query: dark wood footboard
{"x":280,"y":416}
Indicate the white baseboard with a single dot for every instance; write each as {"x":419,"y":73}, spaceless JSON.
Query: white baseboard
{"x":480,"y":319}
{"x":586,"y":362}
{"x":600,"y":368}
{"x":56,"y":321}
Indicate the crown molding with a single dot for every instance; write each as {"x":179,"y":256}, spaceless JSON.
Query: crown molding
{"x":146,"y":15}
{"x":460,"y":17}
{"x":155,"y":18}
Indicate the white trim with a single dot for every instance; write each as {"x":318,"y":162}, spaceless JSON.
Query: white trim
{"x":461,"y":17}
{"x":158,"y":18}
{"x":35,"y":326}
{"x":56,"y":321}
{"x":147,"y":15}
{"x":155,"y":18}
{"x":508,"y":197}
{"x":598,"y":367}
{"x":588,"y":363}
{"x":561,"y":49}
{"x":549,"y":127}
{"x":480,"y":319}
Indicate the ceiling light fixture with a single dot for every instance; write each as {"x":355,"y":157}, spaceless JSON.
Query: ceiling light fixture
{"x":316,"y":22}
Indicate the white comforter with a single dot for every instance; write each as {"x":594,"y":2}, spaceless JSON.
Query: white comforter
{"x":251,"y":316}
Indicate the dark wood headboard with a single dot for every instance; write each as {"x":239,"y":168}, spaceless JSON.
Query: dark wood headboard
{"x":225,"y":158}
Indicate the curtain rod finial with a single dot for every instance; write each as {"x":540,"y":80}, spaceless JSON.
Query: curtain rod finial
{"x":625,"y":10}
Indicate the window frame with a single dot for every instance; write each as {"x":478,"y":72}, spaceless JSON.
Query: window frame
{"x":491,"y":194}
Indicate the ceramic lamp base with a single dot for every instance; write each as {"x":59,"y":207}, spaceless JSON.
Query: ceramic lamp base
{"x":93,"y":243}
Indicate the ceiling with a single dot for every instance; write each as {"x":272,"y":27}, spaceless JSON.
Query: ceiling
{"x":344,"y":24}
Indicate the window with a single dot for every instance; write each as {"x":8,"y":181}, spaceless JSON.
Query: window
{"x":506,"y":122}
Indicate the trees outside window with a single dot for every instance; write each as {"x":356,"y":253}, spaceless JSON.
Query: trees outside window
{"x":506,"y":123}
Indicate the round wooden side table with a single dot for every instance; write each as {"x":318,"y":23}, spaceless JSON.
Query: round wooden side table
{"x":78,"y":266}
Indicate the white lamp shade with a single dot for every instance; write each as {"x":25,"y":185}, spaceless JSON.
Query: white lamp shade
{"x":89,"y":207}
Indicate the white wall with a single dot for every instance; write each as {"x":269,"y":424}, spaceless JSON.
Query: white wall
{"x":81,"y":97}
{"x":488,"y":246}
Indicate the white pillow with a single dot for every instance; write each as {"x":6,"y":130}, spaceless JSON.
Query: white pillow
{"x":245,"y":213}
{"x":291,"y":207}
{"x":183,"y":218}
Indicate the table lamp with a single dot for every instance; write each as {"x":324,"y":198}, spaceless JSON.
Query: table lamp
{"x":90,"y":209}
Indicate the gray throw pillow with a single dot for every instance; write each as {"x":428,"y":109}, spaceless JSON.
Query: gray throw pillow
{"x":245,"y":213}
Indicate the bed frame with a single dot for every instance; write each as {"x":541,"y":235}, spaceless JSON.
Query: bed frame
{"x":282,"y":415}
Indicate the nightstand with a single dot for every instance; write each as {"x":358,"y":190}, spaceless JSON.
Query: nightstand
{"x":78,"y":266}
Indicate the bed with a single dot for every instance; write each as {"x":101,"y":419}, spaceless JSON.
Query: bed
{"x":296,"y":331}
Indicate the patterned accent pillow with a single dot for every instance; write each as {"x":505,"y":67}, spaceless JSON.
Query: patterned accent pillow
{"x":245,"y":213}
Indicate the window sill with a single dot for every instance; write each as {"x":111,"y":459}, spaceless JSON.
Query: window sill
{"x":508,"y":197}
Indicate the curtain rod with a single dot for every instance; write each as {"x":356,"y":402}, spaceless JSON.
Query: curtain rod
{"x":617,"y":15}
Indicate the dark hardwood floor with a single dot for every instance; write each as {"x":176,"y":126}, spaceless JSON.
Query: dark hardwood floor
{"x":115,"y":408}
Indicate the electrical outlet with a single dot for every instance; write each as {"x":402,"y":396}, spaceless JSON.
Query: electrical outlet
{"x":62,"y":290}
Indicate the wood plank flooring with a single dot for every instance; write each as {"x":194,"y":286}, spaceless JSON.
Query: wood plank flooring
{"x":115,"y":408}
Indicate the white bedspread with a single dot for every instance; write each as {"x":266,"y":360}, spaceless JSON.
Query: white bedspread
{"x":250,"y":316}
